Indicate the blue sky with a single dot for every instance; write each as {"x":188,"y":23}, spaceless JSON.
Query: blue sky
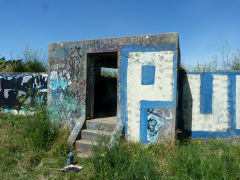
{"x":203,"y":25}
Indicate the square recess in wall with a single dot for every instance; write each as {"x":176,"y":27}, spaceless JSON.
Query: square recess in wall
{"x":148,"y":75}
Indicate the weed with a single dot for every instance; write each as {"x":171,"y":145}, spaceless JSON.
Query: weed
{"x":214,"y":159}
{"x":23,"y":157}
{"x":123,"y":161}
{"x":40,"y":130}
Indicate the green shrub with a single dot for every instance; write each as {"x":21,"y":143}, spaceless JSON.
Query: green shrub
{"x":40,"y":130}
{"x":30,"y":66}
{"x":30,"y":61}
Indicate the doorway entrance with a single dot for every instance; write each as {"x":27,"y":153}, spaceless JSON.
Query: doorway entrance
{"x":102,"y":72}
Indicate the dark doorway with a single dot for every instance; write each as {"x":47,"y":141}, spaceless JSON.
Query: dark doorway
{"x":102,"y":85}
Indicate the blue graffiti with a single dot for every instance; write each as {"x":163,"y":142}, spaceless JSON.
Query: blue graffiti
{"x":56,"y":83}
{"x":155,"y":126}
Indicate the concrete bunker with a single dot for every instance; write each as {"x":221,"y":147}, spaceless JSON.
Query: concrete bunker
{"x":141,"y":101}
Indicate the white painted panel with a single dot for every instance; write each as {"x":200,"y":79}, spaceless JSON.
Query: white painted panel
{"x":218,"y":120}
{"x":238,"y":102}
{"x":161,"y":90}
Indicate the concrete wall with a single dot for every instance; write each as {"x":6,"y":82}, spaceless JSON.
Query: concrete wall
{"x":146,"y":103}
{"x":15,"y":85}
{"x":210,"y":104}
{"x":149,"y":77}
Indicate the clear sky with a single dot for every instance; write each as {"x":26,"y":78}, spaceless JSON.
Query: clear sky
{"x":203,"y":25}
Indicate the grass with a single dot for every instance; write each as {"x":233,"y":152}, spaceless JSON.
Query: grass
{"x":23,"y":155}
{"x":123,"y":161}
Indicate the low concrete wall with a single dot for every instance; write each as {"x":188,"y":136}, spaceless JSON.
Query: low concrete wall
{"x":210,"y":104}
{"x":15,"y":85}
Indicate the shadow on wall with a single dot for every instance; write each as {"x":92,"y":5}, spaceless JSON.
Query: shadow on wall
{"x":184,"y":123}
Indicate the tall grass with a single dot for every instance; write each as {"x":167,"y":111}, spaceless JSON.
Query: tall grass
{"x":123,"y":161}
{"x":211,"y":159}
{"x":23,"y":155}
{"x":40,"y":131}
{"x":33,"y":148}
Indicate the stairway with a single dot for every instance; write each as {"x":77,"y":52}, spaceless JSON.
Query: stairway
{"x":96,"y":130}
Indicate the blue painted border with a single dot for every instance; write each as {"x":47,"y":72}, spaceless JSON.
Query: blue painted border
{"x":144,"y":105}
{"x":123,"y":90}
{"x":232,"y":101}
{"x":232,"y":131}
{"x":217,"y":73}
{"x":209,"y":134}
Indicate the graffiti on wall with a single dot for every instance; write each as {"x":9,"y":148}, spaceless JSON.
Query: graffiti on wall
{"x":67,"y":87}
{"x":68,"y":78}
{"x":15,"y":86}
{"x":157,"y":120}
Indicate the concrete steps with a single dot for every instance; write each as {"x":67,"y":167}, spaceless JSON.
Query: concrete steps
{"x":103,"y":124}
{"x":97,"y":129}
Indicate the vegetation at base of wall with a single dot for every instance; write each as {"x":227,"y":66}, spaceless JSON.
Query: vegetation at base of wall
{"x":30,"y":61}
{"x":212,"y":159}
{"x":20,"y":158}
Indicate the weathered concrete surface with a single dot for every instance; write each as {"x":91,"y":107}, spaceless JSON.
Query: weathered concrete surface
{"x":68,"y":83}
{"x":161,"y":90}
{"x":97,"y":129}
